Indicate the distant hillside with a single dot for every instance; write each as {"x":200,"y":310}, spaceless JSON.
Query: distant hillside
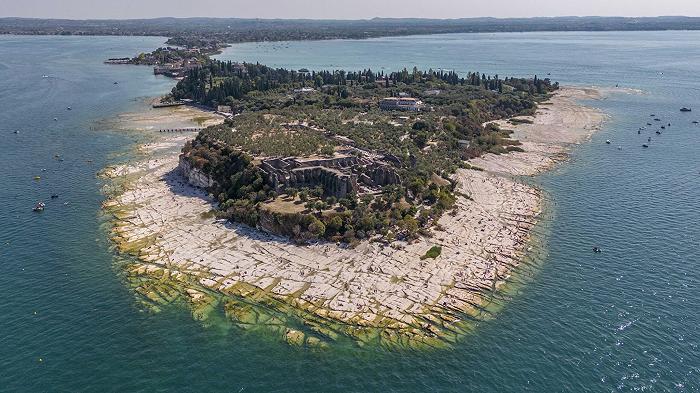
{"x":242,"y":30}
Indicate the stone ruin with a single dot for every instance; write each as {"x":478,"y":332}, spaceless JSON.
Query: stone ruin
{"x":339,"y":176}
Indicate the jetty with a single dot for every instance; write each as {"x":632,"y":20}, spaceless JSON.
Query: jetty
{"x":186,"y":129}
{"x":168,"y":104}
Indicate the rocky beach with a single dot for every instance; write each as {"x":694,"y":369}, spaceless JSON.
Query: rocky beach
{"x":322,"y":292}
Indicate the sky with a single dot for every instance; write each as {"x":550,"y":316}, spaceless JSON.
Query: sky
{"x":347,"y":9}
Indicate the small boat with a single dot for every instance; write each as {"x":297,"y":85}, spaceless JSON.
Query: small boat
{"x":645,"y":145}
{"x":658,"y":132}
{"x":597,"y":250}
{"x":649,"y":139}
{"x":652,"y":115}
{"x":694,"y":122}
{"x":608,"y":141}
{"x":44,"y":76}
{"x":639,"y":131}
{"x":684,"y":109}
{"x":648,"y":124}
{"x":116,"y":83}
{"x":37,"y":178}
{"x":55,"y":119}
{"x":69,"y":109}
{"x":657,"y":119}
{"x":39,"y":207}
{"x":663,"y":127}
{"x":54,"y":196}
{"x":16,"y":131}
{"x":619,"y":148}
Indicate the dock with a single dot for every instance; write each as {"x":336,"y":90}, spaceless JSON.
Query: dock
{"x":168,"y":104}
{"x":187,"y":129}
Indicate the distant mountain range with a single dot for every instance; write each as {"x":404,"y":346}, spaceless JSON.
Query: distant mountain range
{"x":242,"y":30}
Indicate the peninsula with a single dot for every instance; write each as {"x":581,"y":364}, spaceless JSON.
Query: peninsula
{"x":324,"y":206}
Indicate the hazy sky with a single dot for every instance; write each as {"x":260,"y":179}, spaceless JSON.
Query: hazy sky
{"x":347,"y":9}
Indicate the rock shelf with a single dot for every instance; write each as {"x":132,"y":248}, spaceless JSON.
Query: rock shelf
{"x":318,"y":293}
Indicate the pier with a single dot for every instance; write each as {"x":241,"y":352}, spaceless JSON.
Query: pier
{"x":167,"y":104}
{"x":187,"y":129}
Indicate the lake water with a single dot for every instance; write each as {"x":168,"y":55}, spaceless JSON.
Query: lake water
{"x":624,"y":320}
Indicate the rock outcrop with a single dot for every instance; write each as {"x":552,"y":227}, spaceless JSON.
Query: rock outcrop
{"x":194,"y":176}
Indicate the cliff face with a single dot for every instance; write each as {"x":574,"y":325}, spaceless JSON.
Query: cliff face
{"x":193,"y":175}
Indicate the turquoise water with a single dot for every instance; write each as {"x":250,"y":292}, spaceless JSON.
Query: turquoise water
{"x":624,"y":320}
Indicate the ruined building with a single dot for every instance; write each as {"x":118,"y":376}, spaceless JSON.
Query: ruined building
{"x":339,"y":176}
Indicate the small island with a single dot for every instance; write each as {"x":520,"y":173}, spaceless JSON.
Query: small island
{"x":326,"y":206}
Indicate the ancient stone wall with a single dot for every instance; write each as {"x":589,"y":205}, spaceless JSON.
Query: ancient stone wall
{"x":338,"y":176}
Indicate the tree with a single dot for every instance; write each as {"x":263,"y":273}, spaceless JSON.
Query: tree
{"x":410,"y":226}
{"x":304,"y":194}
{"x":335,"y":223}
{"x":317,"y":228}
{"x":321,"y":206}
{"x":420,"y":139}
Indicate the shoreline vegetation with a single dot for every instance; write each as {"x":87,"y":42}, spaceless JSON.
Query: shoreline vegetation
{"x":402,"y":294}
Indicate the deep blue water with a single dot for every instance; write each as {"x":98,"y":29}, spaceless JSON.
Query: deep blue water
{"x":624,"y":320}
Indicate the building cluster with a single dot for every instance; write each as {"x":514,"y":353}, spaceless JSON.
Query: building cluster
{"x":177,"y":69}
{"x":401,"y":104}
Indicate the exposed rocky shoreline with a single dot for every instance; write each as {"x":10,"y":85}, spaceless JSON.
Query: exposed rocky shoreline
{"x":316,"y":294}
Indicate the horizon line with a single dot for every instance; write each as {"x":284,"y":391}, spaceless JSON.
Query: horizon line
{"x":368,"y":19}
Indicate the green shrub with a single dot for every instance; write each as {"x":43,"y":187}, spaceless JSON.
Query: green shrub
{"x":433,"y":253}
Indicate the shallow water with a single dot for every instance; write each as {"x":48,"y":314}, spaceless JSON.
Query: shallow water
{"x":623,"y":320}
